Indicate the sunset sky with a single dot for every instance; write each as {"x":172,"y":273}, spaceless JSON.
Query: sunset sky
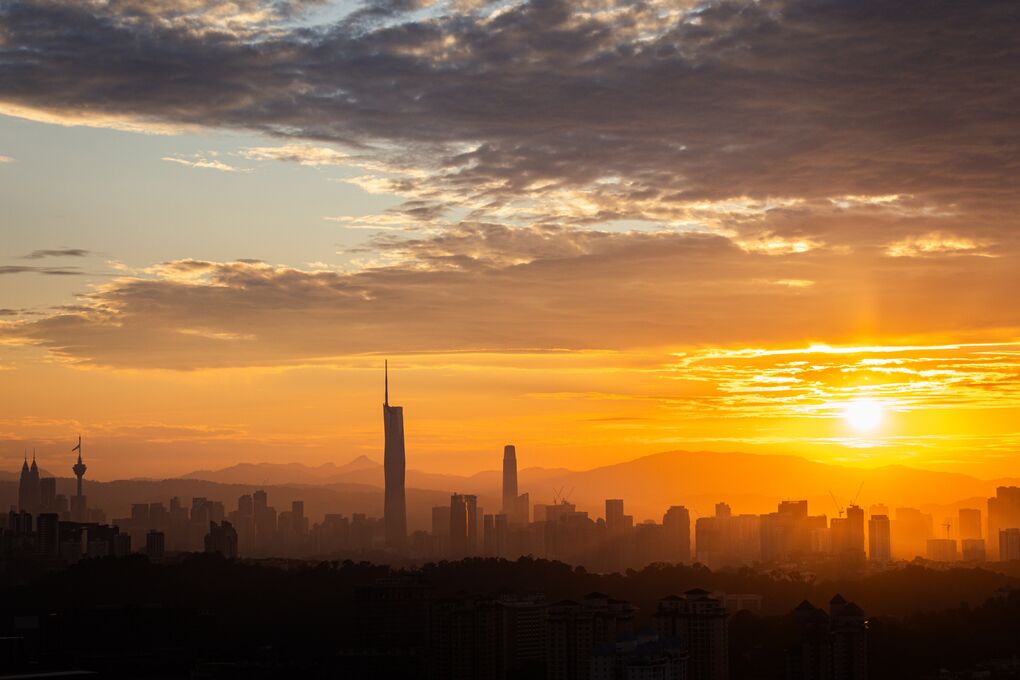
{"x":597,"y":229}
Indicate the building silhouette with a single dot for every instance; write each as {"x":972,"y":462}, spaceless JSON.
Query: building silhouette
{"x":1003,"y":513}
{"x":701,"y":621}
{"x":79,"y":504}
{"x":509,"y":478}
{"x":29,"y":493}
{"x":394,"y":503}
{"x":879,"y":539}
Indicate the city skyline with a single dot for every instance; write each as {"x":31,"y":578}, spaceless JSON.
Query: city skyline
{"x":598,"y":229}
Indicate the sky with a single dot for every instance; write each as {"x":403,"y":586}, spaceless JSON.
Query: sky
{"x":597,"y":229}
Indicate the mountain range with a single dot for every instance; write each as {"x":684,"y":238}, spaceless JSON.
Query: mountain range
{"x":650,"y":484}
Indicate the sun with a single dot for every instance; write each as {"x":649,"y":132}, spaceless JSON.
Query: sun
{"x":863,"y":415}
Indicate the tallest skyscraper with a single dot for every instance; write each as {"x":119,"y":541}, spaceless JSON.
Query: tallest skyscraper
{"x":509,"y":478}
{"x":394,"y":507}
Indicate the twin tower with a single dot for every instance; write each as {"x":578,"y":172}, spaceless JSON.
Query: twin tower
{"x":394,"y":466}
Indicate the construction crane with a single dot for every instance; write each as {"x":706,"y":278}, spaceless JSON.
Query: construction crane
{"x":948,"y":525}
{"x":839,"y":508}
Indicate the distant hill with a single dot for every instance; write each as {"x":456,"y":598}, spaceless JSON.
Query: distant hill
{"x":650,"y":484}
{"x":286,"y":473}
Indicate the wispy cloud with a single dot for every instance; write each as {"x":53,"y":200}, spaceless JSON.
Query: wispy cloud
{"x":6,"y":159}
{"x":204,"y":164}
{"x":297,"y":153}
{"x":57,"y":252}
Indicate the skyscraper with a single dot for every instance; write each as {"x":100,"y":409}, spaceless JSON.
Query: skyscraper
{"x":394,"y":508}
{"x":509,"y":478}
{"x":28,"y":487}
{"x":879,"y":539}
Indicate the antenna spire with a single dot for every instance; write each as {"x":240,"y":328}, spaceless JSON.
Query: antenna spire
{"x":386,"y":373}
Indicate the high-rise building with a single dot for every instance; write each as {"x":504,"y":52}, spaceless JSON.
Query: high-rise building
{"x":701,"y":621}
{"x":155,"y":544}
{"x":849,"y":637}
{"x":222,"y":539}
{"x":394,"y":506}
{"x":970,"y":523}
{"x":48,"y":533}
{"x":48,"y":494}
{"x":614,"y":515}
{"x":458,"y":527}
{"x":29,"y":493}
{"x":1003,"y":513}
{"x":973,"y":549}
{"x":879,"y":539}
{"x":509,"y":478}
{"x":942,"y":549}
{"x":676,"y":524}
{"x":1009,"y":544}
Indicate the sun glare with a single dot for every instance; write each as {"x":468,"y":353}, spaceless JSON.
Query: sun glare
{"x":863,"y":415}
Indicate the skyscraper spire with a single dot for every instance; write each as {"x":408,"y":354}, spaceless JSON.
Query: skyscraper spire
{"x":386,"y":382}
{"x":395,"y":505}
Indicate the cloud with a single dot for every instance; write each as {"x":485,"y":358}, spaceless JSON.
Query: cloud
{"x":588,"y":111}
{"x":297,"y":153}
{"x":49,"y":271}
{"x":204,"y":164}
{"x":6,"y":159}
{"x":57,"y":252}
{"x":495,"y":288}
{"x":936,"y":243}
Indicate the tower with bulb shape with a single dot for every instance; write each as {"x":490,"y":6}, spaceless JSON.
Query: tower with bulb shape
{"x":79,"y":468}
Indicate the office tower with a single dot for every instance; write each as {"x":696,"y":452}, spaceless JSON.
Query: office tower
{"x":614,"y":515}
{"x":910,"y":533}
{"x":1009,"y":544}
{"x":676,"y":525}
{"x":509,"y":478}
{"x":297,"y":511}
{"x":472,"y":511}
{"x":48,"y":494}
{"x":854,"y":547}
{"x":521,"y":512}
{"x":120,"y":545}
{"x":1003,"y":513}
{"x":140,"y":514}
{"x":849,"y":639}
{"x":48,"y":534}
{"x":458,"y":527}
{"x":970,"y":523}
{"x":879,"y":539}
{"x":489,"y":535}
{"x":28,"y":487}
{"x":79,"y":503}
{"x":246,"y":506}
{"x":260,"y":501}
{"x":222,"y":539}
{"x":701,"y":621}
{"x":973,"y":549}
{"x":155,"y":544}
{"x":941,"y":549}
{"x":502,"y":530}
{"x":394,"y":508}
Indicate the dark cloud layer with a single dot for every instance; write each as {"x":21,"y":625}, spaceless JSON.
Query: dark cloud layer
{"x":606,"y":292}
{"x":805,"y":98}
{"x":854,"y":160}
